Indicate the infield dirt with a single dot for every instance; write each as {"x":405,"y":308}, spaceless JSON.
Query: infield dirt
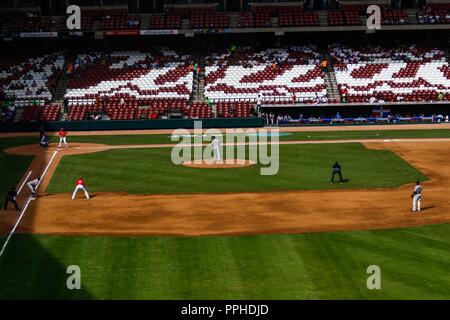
{"x":240,"y":213}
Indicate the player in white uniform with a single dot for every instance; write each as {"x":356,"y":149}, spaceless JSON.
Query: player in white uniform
{"x":32,"y":185}
{"x":216,"y":148}
{"x":417,"y":197}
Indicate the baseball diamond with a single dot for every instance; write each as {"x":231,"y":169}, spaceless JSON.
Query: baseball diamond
{"x":217,"y":158}
{"x":139,"y":210}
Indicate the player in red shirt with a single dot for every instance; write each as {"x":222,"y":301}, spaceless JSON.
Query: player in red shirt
{"x":62,"y":137}
{"x":80,"y":185}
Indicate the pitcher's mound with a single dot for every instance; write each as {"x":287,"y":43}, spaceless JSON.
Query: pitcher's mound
{"x":235,"y":163}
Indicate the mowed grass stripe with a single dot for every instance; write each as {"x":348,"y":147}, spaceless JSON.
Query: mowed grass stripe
{"x":413,"y":262}
{"x":312,"y":135}
{"x":301,"y":167}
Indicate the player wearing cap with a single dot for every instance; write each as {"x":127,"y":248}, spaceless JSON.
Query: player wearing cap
{"x":80,"y":185}
{"x":62,"y":138}
{"x":32,"y":185}
{"x":417,"y":197}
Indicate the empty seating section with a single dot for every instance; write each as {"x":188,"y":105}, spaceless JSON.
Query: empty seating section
{"x":188,"y":11}
{"x":199,"y":110}
{"x":294,"y":17}
{"x":351,"y":14}
{"x":128,"y":80}
{"x":208,"y":20}
{"x":160,"y":22}
{"x":30,"y":79}
{"x":336,"y":18}
{"x":234,"y":109}
{"x":391,"y":17}
{"x":288,"y":16}
{"x":277,"y":75}
{"x":133,"y":109}
{"x":246,"y":20}
{"x":434,"y":13}
{"x":344,"y":17}
{"x":390,"y":75}
{"x":262,"y":20}
{"x":22,"y":22}
{"x":259,"y":17}
{"x":173,"y":21}
{"x":40,"y":113}
{"x":122,"y":22}
{"x":109,"y":19}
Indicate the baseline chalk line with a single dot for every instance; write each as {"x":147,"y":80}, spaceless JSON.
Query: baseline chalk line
{"x":23,"y":183}
{"x":26,"y":206}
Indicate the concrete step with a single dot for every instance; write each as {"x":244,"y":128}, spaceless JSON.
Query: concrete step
{"x":412,"y":16}
{"x":145,"y":21}
{"x":323,"y":18}
{"x":96,"y":25}
{"x":18,"y":115}
{"x":55,"y":27}
{"x":274,"y":22}
{"x":233,"y":20}
{"x":184,"y":24}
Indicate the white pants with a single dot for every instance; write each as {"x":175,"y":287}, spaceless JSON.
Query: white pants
{"x":416,"y":202}
{"x":32,"y":187}
{"x":78,"y":188}
{"x":217,"y":154}
{"x":62,"y":140}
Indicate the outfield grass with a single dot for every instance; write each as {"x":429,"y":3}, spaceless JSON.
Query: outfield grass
{"x":301,"y":167}
{"x":319,"y":135}
{"x":413,"y":262}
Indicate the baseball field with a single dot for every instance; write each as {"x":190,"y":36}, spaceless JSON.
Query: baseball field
{"x":156,"y":230}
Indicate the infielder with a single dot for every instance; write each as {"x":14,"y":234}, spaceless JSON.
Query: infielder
{"x":32,"y":185}
{"x":215,"y":143}
{"x":80,"y":185}
{"x":62,"y":137}
{"x":417,"y":197}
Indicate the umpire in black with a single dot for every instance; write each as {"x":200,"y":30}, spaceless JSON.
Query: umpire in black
{"x":336,"y":171}
{"x":11,"y":197}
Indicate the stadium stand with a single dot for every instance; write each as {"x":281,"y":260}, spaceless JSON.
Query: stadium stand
{"x":128,"y":80}
{"x":344,"y":17}
{"x":31,"y":80}
{"x":120,"y":22}
{"x":19,"y":21}
{"x":275,"y":74}
{"x":391,"y":17}
{"x":234,"y":109}
{"x":434,"y":13}
{"x":199,"y":110}
{"x":389,"y":75}
{"x":160,"y":22}
{"x":40,"y":113}
{"x":209,"y":21}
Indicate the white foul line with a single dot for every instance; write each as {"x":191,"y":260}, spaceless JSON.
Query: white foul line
{"x":26,"y":206}
{"x":23,"y":183}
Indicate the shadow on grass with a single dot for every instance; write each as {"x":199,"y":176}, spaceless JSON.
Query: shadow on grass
{"x":28,"y":269}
